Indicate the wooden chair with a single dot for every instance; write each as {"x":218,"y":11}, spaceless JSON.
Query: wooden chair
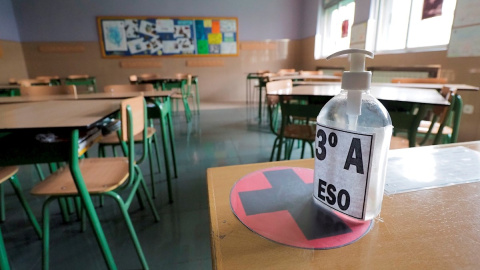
{"x":444,"y":125}
{"x":105,"y":176}
{"x":84,"y":80}
{"x":194,"y":95}
{"x":297,"y":117}
{"x":112,"y":139}
{"x":445,"y":121}
{"x":420,"y":80}
{"x":45,"y":90}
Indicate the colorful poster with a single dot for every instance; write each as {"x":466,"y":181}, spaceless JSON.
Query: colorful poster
{"x":114,"y":36}
{"x":215,"y":27}
{"x":165,"y":26}
{"x":202,"y":46}
{"x":215,"y":38}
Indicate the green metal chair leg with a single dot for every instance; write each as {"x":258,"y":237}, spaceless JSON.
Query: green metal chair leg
{"x":155,"y":144}
{"x":39,"y":171}
{"x":31,"y":217}
{"x":4,"y":265}
{"x":131,"y":230}
{"x":150,"y":163}
{"x":46,"y":234}
{"x":166,"y":159}
{"x":149,"y":198}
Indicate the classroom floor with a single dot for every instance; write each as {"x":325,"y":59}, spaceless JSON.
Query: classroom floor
{"x":219,"y":136}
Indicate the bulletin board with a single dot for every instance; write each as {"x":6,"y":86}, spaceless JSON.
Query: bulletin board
{"x":167,"y":36}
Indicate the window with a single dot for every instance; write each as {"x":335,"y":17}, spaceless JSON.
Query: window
{"x":338,"y":20}
{"x":412,"y":24}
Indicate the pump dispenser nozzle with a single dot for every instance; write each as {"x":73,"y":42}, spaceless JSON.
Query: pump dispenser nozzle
{"x":355,"y":79}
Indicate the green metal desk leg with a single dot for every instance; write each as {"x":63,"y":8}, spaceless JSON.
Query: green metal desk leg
{"x":4,"y":265}
{"x":163,"y":122}
{"x":87,"y":202}
{"x":197,"y":96}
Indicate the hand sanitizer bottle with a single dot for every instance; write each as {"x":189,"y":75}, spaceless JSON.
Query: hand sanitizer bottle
{"x":351,"y":146}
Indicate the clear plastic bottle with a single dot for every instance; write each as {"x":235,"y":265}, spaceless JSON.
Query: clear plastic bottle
{"x":354,"y":112}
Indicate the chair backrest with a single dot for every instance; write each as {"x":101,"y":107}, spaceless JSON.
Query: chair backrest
{"x":420,"y":80}
{"x":124,"y":88}
{"x":133,"y":79}
{"x":137,"y":107}
{"x":45,"y":90}
{"x":134,"y":121}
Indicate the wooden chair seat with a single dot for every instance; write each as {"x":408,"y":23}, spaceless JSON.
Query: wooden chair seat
{"x":112,"y":138}
{"x":300,"y":132}
{"x":7,"y":172}
{"x":100,"y":175}
{"x":425,"y":125}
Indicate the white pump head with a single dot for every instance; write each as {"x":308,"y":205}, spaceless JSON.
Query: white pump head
{"x":355,"y":79}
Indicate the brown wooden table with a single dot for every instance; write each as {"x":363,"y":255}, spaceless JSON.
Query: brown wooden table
{"x":429,"y":229}
{"x":387,"y":93}
{"x":438,"y":86}
{"x":22,"y":121}
{"x":101,"y":95}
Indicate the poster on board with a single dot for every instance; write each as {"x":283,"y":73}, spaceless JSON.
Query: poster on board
{"x":150,"y":36}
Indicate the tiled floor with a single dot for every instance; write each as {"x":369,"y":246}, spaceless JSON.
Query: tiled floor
{"x":216,"y":137}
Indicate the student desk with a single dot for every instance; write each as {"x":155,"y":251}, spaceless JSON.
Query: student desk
{"x":160,"y":110}
{"x":428,"y":229}
{"x":438,"y":86}
{"x":100,"y":95}
{"x":386,"y":93}
{"x":68,"y":118}
{"x":394,"y":98}
{"x":264,"y":78}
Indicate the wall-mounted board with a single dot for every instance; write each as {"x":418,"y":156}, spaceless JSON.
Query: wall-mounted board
{"x":162,"y":36}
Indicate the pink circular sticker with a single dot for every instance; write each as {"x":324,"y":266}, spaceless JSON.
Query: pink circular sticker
{"x":277,"y":203}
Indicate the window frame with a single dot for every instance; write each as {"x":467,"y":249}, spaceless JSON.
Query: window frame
{"x":405,"y":49}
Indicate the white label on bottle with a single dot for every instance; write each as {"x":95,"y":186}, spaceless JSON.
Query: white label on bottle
{"x":342,"y":169}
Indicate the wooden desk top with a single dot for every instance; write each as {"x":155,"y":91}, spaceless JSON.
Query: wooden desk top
{"x":9,"y":86}
{"x":462,"y":87}
{"x":101,"y":95}
{"x":55,"y":114}
{"x":413,"y":95}
{"x":302,"y":77}
{"x":428,"y":229}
